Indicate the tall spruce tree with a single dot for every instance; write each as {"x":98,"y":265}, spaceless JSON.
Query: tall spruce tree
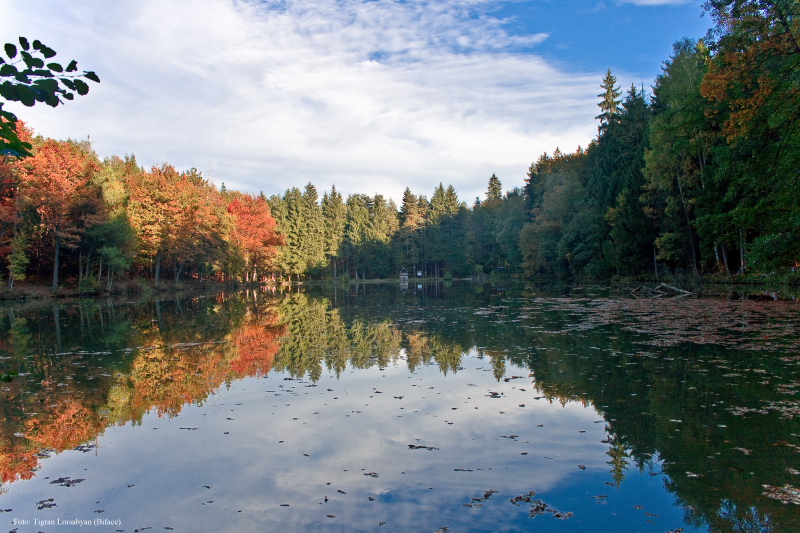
{"x":609,"y":102}
{"x":334,"y":214}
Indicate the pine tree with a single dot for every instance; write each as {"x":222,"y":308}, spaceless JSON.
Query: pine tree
{"x":609,"y":103}
{"x":334,"y":214}
{"x":313,"y":234}
{"x":494,"y":192}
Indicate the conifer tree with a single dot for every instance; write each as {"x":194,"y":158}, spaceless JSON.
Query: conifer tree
{"x":609,"y":102}
{"x":494,"y":192}
{"x":334,"y":214}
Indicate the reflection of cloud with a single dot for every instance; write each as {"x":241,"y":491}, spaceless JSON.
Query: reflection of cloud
{"x":268,"y":94}
{"x":360,"y":426}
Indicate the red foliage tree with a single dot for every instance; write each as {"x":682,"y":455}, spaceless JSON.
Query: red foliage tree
{"x":254,"y":234}
{"x":56,"y":183}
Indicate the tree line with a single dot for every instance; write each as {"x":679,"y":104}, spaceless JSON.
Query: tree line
{"x":65,"y":213}
{"x":700,"y":177}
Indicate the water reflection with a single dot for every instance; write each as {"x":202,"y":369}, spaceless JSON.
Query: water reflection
{"x":699,"y":393}
{"x":69,"y":372}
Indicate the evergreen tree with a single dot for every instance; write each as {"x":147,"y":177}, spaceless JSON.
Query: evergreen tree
{"x":681,"y":141}
{"x":313,"y":230}
{"x":411,"y":220}
{"x":609,"y":102}
{"x":494,"y":192}
{"x":627,"y":246}
{"x":334,"y":214}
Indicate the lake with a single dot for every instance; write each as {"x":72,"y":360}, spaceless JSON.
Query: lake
{"x":446,"y":407}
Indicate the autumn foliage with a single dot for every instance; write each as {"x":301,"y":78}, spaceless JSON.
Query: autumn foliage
{"x":65,"y":212}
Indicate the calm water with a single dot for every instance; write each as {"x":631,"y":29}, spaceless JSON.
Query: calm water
{"x":446,"y":408}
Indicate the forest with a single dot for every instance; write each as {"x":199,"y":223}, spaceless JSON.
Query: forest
{"x":698,"y":176}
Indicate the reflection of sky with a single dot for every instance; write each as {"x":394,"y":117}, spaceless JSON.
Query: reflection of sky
{"x":266,"y":453}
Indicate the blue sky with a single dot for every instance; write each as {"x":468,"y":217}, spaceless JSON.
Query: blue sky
{"x":371,"y":96}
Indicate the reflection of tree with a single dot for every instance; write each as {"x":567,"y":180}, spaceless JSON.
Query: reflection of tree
{"x":619,"y":455}
{"x":257,"y":345}
{"x":317,"y":337}
{"x":498,"y":360}
{"x":423,"y":347}
{"x":166,"y":354}
{"x":742,"y":520}
{"x":65,"y":425}
{"x":675,"y":403}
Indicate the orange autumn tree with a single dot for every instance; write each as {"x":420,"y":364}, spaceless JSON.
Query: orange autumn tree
{"x":179,"y":218}
{"x":197,"y":240}
{"x":254,"y":237}
{"x":56,"y":186}
{"x":152,"y":209}
{"x":9,"y":215}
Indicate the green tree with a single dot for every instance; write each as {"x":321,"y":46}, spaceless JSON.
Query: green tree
{"x":313,"y":230}
{"x":334,"y":213}
{"x":494,"y":192}
{"x":753,"y":82}
{"x":679,"y":156}
{"x":511,"y":216}
{"x":609,"y":102}
{"x":28,"y":79}
{"x":628,"y":245}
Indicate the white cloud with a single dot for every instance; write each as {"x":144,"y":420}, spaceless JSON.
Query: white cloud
{"x":371,"y":96}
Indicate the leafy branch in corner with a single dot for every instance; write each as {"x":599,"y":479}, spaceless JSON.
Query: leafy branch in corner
{"x":28,"y":78}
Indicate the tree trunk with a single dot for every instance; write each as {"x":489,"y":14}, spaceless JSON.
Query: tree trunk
{"x":655,"y":262}
{"x":57,"y":322}
{"x":741,"y":253}
{"x":725,"y":259}
{"x":56,"y":251}
{"x":158,"y":268}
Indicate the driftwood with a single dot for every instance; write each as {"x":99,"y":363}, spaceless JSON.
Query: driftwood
{"x":659,"y":291}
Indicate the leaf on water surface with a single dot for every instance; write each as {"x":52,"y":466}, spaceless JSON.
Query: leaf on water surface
{"x":66,"y":481}
{"x":45,"y":504}
{"x":785,"y":494}
{"x":415,"y":447}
